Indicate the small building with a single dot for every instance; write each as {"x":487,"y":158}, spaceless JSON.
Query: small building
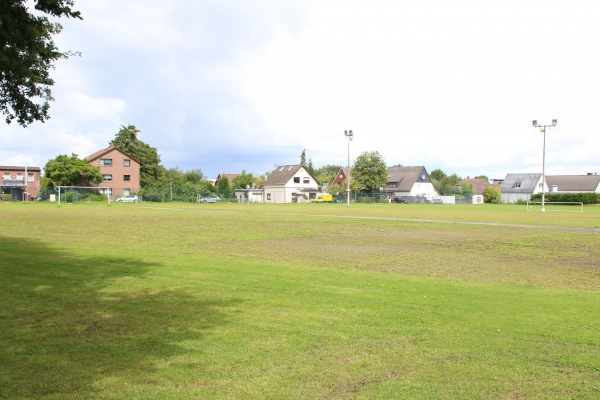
{"x":589,"y":183}
{"x":290,"y":184}
{"x":520,"y":187}
{"x":20,"y":182}
{"x":120,"y":171}
{"x":409,"y":182}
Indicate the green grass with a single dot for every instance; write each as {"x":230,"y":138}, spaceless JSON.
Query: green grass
{"x":314,"y":301}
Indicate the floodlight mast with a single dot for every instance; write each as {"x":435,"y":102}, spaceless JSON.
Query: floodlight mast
{"x":543,"y":130}
{"x":349,"y":136}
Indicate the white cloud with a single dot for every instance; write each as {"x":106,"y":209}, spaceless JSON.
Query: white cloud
{"x":232,"y":85}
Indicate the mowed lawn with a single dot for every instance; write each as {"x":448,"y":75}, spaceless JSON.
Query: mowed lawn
{"x":302,"y":301}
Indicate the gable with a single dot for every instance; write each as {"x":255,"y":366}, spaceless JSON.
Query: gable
{"x":284,"y":173}
{"x":404,"y":178}
{"x":108,"y":152}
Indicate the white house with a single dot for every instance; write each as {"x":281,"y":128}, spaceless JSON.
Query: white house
{"x":521,"y":186}
{"x":290,"y":184}
{"x":409,"y":181}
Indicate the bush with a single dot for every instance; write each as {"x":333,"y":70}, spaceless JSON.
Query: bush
{"x":585,"y":198}
{"x":492,"y":195}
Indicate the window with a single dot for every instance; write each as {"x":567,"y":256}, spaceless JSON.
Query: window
{"x":107,"y":177}
{"x":30,"y":176}
{"x":126,"y":163}
{"x":126,"y":192}
{"x":296,"y":179}
{"x":106,"y":162}
{"x":7,"y":175}
{"x":268,"y":196}
{"x":19,"y":176}
{"x":305,"y":180}
{"x":127,"y":178}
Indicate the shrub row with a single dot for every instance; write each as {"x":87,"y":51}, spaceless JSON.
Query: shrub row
{"x":585,"y":198}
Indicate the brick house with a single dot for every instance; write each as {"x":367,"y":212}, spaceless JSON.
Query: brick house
{"x":120,"y":171}
{"x":19,"y":180}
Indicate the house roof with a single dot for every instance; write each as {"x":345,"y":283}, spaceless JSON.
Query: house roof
{"x":574,"y":183}
{"x":520,"y":183}
{"x":109,"y":149}
{"x":14,"y":168}
{"x":230,"y":177}
{"x":478,"y":185}
{"x":283,"y":174}
{"x":406,"y":177}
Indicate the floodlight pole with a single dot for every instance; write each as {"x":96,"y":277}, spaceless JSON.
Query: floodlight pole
{"x":349,"y":136}
{"x":543,"y":130}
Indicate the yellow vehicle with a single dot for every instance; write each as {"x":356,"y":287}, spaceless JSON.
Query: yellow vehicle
{"x":324,"y":198}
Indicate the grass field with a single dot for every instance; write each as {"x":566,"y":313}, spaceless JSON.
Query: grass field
{"x":303,"y":301}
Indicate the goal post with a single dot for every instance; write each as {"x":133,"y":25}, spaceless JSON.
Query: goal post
{"x":574,"y":206}
{"x":75,"y":194}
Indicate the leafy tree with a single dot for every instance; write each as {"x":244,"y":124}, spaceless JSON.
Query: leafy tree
{"x":466,"y":189}
{"x":438,"y":175}
{"x":27,"y":54}
{"x":485,"y":178}
{"x":303,"y":157}
{"x":492,"y":195}
{"x":151,"y":171}
{"x":243,"y":180}
{"x":326,"y":174}
{"x":369,"y":172}
{"x":447,"y":184}
{"x":194,"y":176}
{"x":310,"y":167}
{"x":71,"y":171}
{"x":223,"y":184}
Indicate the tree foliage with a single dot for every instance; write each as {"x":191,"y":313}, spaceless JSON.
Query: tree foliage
{"x":448,"y":184}
{"x":27,"y":54}
{"x":243,"y":180}
{"x":223,"y":184}
{"x":151,"y":172}
{"x":492,"y":195}
{"x":369,"y":172}
{"x":71,"y":171}
{"x":326,"y":174}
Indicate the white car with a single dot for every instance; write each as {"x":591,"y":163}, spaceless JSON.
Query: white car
{"x":128,"y":199}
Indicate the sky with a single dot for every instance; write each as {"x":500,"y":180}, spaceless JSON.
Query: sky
{"x":227,"y":86}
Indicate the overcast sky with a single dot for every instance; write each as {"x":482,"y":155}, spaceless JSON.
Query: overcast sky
{"x":226,"y":86}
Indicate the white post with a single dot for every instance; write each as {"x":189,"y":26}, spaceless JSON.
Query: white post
{"x":349,"y":136}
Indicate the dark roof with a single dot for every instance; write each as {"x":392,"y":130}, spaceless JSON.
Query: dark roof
{"x":14,"y":168}
{"x":406,"y":177}
{"x":520,"y":183}
{"x":112,"y":147}
{"x":283,"y":173}
{"x":574,"y":183}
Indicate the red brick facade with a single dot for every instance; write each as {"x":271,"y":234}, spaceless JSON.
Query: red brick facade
{"x":121,"y":172}
{"x":19,"y":180}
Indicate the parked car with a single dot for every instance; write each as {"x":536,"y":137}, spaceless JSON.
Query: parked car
{"x":130,"y":198}
{"x":210,"y":199}
{"x":434,"y":201}
{"x":400,"y":200}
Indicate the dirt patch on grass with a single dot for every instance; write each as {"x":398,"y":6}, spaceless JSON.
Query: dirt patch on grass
{"x":486,"y":254}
